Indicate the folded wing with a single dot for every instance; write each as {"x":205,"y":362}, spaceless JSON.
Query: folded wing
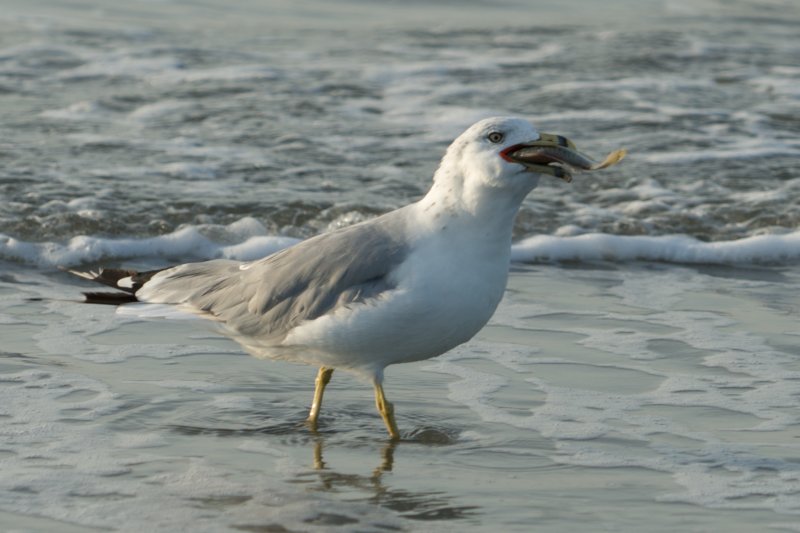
{"x":268,"y":297}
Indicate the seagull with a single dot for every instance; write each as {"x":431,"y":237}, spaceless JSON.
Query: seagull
{"x":406,"y":286}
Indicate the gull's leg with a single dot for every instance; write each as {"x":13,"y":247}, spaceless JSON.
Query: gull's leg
{"x":386,"y":409}
{"x":319,"y":464}
{"x":323,"y":378}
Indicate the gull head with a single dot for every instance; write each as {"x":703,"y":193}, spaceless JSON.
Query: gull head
{"x":504,"y":157}
{"x":476,"y":157}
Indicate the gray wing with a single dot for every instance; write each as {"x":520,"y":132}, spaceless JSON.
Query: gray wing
{"x":269,"y":297}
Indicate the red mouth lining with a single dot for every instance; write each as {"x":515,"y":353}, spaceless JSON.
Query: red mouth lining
{"x":505,"y":153}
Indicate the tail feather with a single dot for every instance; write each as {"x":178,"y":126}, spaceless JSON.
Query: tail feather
{"x":125,"y":280}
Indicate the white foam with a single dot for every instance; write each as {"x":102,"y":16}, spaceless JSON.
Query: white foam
{"x":666,"y":83}
{"x":740,"y":150}
{"x":771,"y":249}
{"x":80,"y":111}
{"x":189,"y":171}
{"x":120,"y":64}
{"x":188,"y":243}
{"x":227,"y":73}
{"x":244,"y":240}
{"x":158,"y":110}
{"x":257,"y":247}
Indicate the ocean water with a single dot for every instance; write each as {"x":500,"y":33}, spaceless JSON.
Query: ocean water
{"x":642,"y":373}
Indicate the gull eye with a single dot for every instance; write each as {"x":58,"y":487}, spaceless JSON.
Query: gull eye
{"x":495,"y":137}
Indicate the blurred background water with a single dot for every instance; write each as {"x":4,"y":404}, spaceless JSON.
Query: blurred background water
{"x":141,"y":120}
{"x":607,"y":393}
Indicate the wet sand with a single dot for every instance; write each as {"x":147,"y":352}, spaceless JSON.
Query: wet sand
{"x":646,"y":397}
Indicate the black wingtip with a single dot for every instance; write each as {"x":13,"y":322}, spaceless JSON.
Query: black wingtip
{"x":124,"y":280}
{"x":109,"y":298}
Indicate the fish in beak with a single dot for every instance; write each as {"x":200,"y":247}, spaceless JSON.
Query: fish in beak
{"x":556,"y":155}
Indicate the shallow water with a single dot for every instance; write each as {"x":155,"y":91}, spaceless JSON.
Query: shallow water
{"x":598,"y":397}
{"x":642,"y":373}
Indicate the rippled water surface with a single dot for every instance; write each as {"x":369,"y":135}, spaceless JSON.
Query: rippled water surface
{"x":646,"y":382}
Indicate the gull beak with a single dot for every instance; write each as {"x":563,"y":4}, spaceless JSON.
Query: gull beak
{"x":557,"y":156}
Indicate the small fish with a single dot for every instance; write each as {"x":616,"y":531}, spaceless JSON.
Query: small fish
{"x":567,"y":156}
{"x":558,"y":156}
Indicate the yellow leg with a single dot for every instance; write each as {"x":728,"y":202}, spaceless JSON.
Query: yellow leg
{"x":323,"y":378}
{"x":386,"y":409}
{"x":319,"y":464}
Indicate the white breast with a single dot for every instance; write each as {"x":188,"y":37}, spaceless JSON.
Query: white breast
{"x":446,"y":292}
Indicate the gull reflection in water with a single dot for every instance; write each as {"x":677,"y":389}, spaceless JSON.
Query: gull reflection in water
{"x":422,"y":505}
{"x":324,"y":477}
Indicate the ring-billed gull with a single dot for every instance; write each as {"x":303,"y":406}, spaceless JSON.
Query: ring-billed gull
{"x":405,"y":286}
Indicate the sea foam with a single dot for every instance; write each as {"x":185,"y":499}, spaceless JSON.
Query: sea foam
{"x":758,"y":249}
{"x":185,"y":244}
{"x":190,"y":244}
